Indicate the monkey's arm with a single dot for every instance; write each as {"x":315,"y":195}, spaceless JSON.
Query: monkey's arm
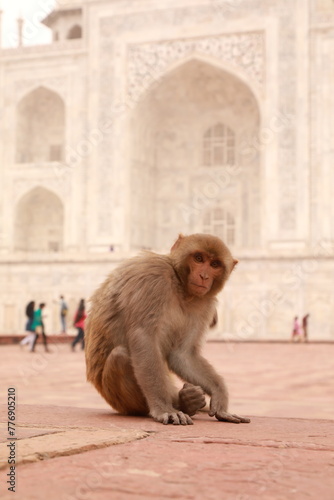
{"x":194,"y":368}
{"x":153,"y":377}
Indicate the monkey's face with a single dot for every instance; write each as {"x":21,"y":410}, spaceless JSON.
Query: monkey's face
{"x":204,"y":271}
{"x":203,"y":263}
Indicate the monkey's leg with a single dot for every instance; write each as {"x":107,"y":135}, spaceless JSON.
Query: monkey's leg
{"x":191,"y":399}
{"x":119,"y":386}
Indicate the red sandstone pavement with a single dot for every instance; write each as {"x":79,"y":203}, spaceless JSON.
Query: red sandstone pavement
{"x":80,"y":449}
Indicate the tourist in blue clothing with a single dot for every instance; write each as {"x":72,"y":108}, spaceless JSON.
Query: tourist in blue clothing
{"x":38,"y":327}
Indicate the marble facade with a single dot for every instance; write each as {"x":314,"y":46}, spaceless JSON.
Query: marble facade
{"x":143,"y":119}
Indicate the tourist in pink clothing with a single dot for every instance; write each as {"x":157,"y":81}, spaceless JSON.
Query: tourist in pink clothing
{"x":79,"y":323}
{"x":296,"y":331}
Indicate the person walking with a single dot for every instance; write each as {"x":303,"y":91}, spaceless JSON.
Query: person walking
{"x":63,"y":314}
{"x":296,"y":331}
{"x":30,"y":309}
{"x":38,"y":326}
{"x":79,"y":323}
{"x":45,"y":342}
{"x":305,"y":327}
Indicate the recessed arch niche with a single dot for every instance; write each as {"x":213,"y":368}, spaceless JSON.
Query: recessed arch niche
{"x":39,"y":222}
{"x":172,"y":187}
{"x":40,"y":130}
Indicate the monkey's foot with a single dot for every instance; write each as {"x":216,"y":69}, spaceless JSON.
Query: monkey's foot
{"x":175,"y":418}
{"x":191,"y":399}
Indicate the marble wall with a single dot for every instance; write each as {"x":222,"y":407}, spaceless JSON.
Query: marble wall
{"x":105,"y":143}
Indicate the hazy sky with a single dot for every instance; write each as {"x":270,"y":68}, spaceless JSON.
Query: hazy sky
{"x":32,"y":11}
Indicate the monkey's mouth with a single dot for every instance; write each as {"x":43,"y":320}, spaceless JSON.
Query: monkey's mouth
{"x":199,"y":286}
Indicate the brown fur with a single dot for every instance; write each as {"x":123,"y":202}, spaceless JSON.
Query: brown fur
{"x":147,"y":319}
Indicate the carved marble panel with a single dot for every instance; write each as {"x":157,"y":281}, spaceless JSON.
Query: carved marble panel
{"x":148,"y":62}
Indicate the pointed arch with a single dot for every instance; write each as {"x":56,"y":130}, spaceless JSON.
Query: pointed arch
{"x":155,"y":79}
{"x":39,"y":222}
{"x":40,"y":127}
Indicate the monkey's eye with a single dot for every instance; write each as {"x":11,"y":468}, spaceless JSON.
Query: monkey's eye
{"x":198,"y":257}
{"x":216,"y":263}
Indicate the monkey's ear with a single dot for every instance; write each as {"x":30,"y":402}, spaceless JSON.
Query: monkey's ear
{"x":235,"y":262}
{"x":177,"y":242}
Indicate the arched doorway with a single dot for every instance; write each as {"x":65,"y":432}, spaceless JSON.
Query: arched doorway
{"x":40,"y":127}
{"x":188,"y":132}
{"x":75,"y":32}
{"x":39,"y":222}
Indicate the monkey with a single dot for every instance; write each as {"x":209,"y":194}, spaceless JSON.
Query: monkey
{"x":147,"y":320}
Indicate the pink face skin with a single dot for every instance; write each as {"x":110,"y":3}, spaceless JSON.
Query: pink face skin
{"x":204,"y":269}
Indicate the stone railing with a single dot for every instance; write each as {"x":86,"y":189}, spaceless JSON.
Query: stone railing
{"x":62,"y":46}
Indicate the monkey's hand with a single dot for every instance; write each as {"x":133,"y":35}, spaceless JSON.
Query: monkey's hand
{"x":191,"y":399}
{"x":174,"y":417}
{"x":217,"y":410}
